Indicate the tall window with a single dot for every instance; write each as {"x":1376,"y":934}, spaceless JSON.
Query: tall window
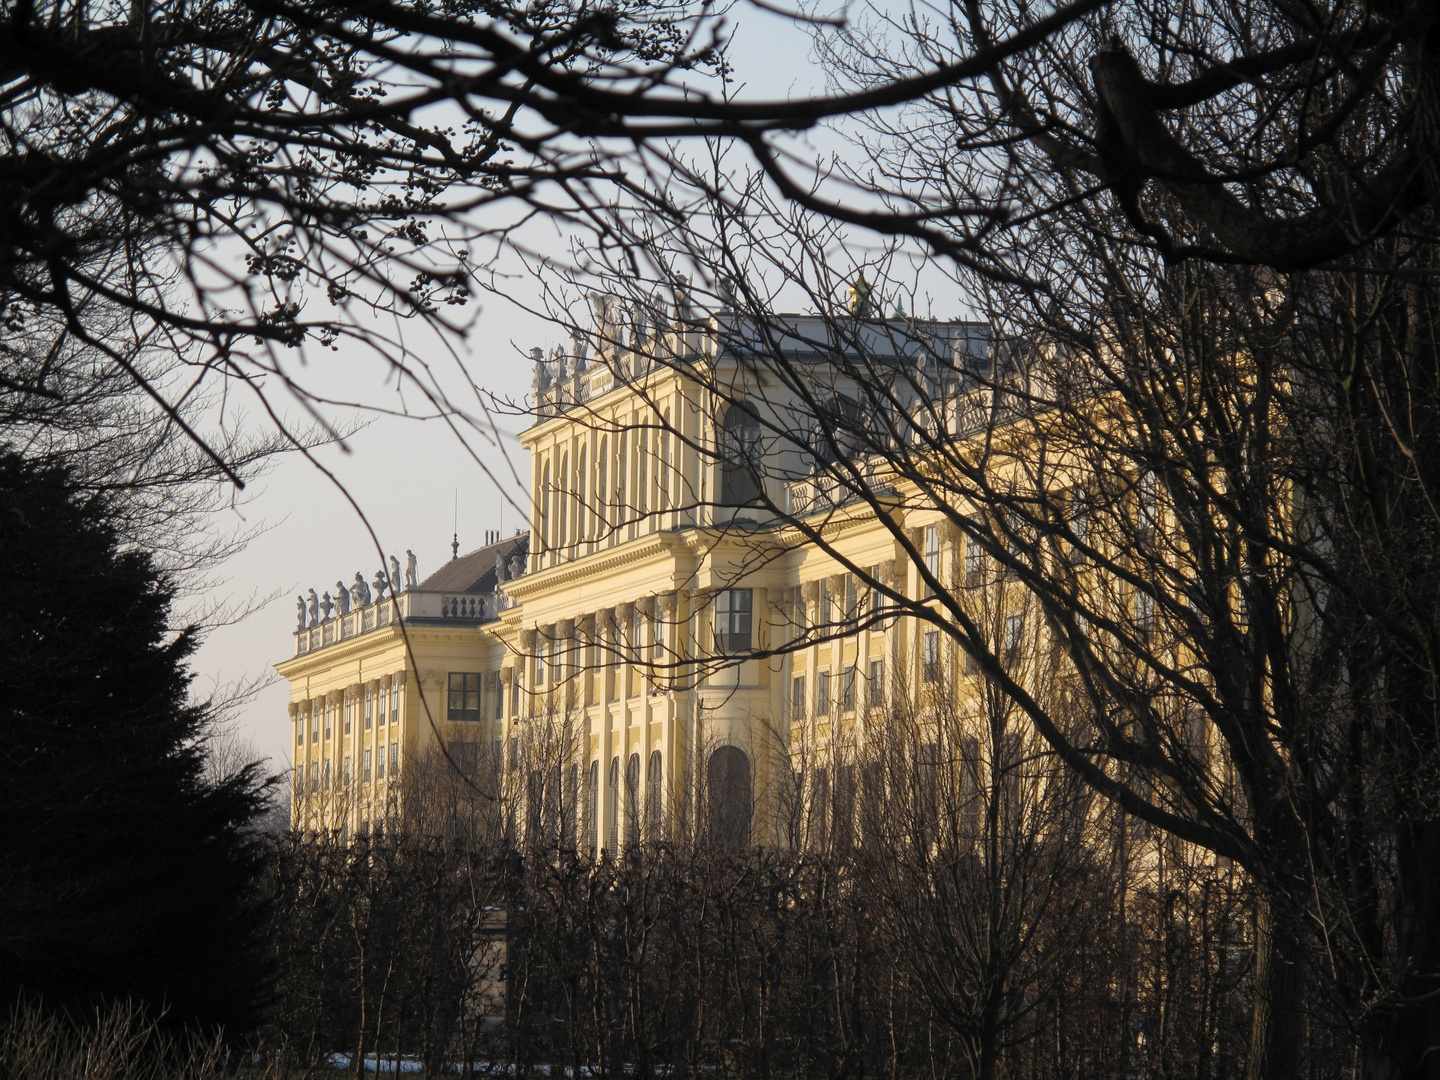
{"x":974,"y":563}
{"x":632,"y":800}
{"x":875,"y":686}
{"x":546,"y":521}
{"x":365,"y":774}
{"x":380,"y":763}
{"x":932,"y":556}
{"x":822,"y":693}
{"x":654,"y":796}
{"x":739,"y":457}
{"x":582,"y":506}
{"x":592,"y":805}
{"x":369,"y":709}
{"x":349,"y":712}
{"x":847,"y":689}
{"x":930,"y":656}
{"x":612,"y":818}
{"x":797,"y":698}
{"x":384,"y":706}
{"x":732,"y":620}
{"x":1014,"y":638}
{"x":395,"y":704}
{"x":852,"y":598}
{"x":1079,"y":521}
{"x":876,"y":599}
{"x":562,"y":501}
{"x":464,"y":696}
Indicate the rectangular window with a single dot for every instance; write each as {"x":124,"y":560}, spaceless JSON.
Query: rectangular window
{"x":497,"y":694}
{"x":394,"y":756}
{"x":366,"y":774}
{"x":875,"y":688}
{"x":847,"y":689}
{"x":314,"y":778}
{"x":349,"y":714}
{"x":384,"y":709}
{"x":822,"y":694}
{"x":464,"y":696}
{"x":347,"y":770}
{"x":1144,"y":614}
{"x":974,"y":563}
{"x":379,"y":763}
{"x":325,"y":774}
{"x":852,"y":598}
{"x":876,"y":599}
{"x":930,"y":656}
{"x":299,"y":732}
{"x":1145,"y":505}
{"x":822,"y":603}
{"x":1014,"y":637}
{"x":1079,"y":522}
{"x":972,"y":666}
{"x":797,"y":698}
{"x":732,"y":620}
{"x":797,"y":607}
{"x":329,"y":718}
{"x":315,"y":725}
{"x":932,"y":556}
{"x":369,"y":710}
{"x":395,"y":705}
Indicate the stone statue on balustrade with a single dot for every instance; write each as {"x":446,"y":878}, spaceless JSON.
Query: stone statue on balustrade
{"x":517,"y":565}
{"x":314,"y":609}
{"x":395,"y":578}
{"x":500,"y":569}
{"x":412,"y":571}
{"x":327,"y":606}
{"x":342,"y":597}
{"x":380,"y":585}
{"x":299,"y":613}
{"x":360,"y":591}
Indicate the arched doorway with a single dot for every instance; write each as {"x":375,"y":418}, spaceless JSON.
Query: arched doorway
{"x":731,"y":804}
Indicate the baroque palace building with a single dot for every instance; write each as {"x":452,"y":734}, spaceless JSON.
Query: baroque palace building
{"x":582,"y":666}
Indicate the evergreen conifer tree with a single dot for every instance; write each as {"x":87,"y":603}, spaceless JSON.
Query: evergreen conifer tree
{"x":125,"y":872}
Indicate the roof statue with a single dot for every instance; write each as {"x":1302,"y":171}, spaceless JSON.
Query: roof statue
{"x":299,"y":613}
{"x":860,"y":293}
{"x":395,"y":578}
{"x":342,"y":597}
{"x":412,"y":571}
{"x":314,"y":609}
{"x":381,"y":584}
{"x":360,"y":591}
{"x":327,"y":606}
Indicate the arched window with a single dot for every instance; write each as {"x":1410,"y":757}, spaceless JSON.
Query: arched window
{"x":632,"y":800}
{"x":612,"y":804}
{"x":728,"y":778}
{"x":582,"y":508}
{"x":622,"y":463}
{"x":653,"y":798}
{"x":542,"y":510}
{"x":740,"y":456}
{"x":592,"y":801}
{"x":663,"y":466}
{"x":562,"y":517}
{"x":602,"y":494}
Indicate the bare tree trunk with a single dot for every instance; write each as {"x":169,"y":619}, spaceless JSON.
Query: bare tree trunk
{"x":1277,"y":1032}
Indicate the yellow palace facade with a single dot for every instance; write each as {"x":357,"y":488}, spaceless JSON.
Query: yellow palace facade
{"x":577,"y":673}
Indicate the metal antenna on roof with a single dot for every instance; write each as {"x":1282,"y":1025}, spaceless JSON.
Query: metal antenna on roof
{"x":455,"y":542}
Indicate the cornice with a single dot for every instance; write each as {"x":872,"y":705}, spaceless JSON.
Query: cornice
{"x":376,"y":640}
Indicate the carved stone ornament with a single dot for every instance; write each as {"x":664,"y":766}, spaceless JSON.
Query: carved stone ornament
{"x":666,"y":603}
{"x":334,"y":697}
{"x":399,"y":678}
{"x":432,"y":678}
{"x":385,"y":681}
{"x":294,"y":709}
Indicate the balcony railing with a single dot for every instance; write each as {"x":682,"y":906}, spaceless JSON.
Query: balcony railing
{"x":441,"y":607}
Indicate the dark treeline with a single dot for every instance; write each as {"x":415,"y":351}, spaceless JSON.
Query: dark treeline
{"x":1116,"y":954}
